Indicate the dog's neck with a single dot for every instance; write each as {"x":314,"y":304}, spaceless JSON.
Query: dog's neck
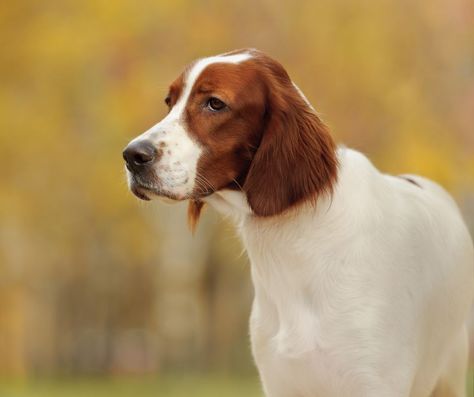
{"x":230,"y":203}
{"x":234,"y":204}
{"x":280,"y":259}
{"x":299,"y":251}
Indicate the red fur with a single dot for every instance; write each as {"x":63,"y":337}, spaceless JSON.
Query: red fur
{"x":270,"y":143}
{"x":296,"y":158}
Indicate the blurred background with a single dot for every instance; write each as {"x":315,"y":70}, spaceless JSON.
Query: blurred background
{"x":101,"y":294}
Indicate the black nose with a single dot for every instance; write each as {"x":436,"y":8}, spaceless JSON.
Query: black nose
{"x":139,"y":154}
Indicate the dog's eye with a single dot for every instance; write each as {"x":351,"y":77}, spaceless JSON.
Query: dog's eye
{"x":168,"y":100}
{"x":215,"y":104}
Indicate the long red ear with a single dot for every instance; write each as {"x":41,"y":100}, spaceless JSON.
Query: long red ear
{"x":296,"y":159}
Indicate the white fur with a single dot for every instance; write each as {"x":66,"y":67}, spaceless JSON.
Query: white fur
{"x":364,"y":295}
{"x":177,"y":167}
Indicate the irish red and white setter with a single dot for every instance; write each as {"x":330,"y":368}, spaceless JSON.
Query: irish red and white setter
{"x":363,"y":280}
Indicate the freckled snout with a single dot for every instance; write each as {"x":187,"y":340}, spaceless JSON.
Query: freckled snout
{"x":139,"y":155}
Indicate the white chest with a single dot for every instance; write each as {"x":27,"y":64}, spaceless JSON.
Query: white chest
{"x":303,"y":315}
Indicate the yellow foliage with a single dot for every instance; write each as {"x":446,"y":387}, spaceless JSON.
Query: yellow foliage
{"x":79,"y":79}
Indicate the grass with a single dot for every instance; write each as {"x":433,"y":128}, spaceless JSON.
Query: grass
{"x":470,"y":383}
{"x":169,"y":386}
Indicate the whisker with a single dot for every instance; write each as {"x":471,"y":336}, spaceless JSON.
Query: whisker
{"x":205,"y":182}
{"x":201,"y":184}
{"x":238,"y":185}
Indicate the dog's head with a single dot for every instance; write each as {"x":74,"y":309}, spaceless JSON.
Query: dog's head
{"x":235,"y":121}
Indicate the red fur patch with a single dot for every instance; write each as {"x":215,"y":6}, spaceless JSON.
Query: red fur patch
{"x":194,"y":212}
{"x":267,"y":142}
{"x":296,"y":158}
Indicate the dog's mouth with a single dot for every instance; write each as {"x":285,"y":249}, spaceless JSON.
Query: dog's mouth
{"x":148,"y":188}
{"x":143,"y":187}
{"x":140,"y":192}
{"x":148,"y":192}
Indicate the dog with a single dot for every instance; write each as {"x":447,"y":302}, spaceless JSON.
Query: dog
{"x":363,"y":281}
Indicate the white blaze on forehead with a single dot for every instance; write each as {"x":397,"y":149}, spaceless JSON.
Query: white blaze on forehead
{"x":190,"y":78}
{"x":196,"y":71}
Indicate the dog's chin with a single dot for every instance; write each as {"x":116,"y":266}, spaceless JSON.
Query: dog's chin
{"x":147,"y":194}
{"x":140,"y":192}
{"x":167,"y":200}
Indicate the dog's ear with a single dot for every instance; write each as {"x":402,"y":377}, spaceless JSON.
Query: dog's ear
{"x":296,"y":158}
{"x":194,"y":212}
